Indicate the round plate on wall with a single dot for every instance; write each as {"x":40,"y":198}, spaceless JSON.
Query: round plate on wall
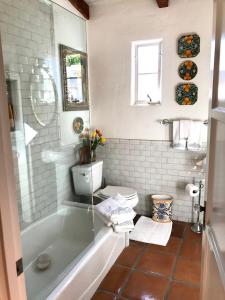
{"x":78,"y":125}
{"x":187,"y":70}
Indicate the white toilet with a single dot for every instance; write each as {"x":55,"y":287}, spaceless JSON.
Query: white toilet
{"x":87,"y":180}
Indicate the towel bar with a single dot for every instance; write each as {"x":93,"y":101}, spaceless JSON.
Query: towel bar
{"x":167,"y":122}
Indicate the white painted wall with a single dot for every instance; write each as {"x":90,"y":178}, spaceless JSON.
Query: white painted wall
{"x":67,"y":5}
{"x":111,"y":29}
{"x":70,"y":31}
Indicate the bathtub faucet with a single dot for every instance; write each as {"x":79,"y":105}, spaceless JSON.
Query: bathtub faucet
{"x":89,"y":208}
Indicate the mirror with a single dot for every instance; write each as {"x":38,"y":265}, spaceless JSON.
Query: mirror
{"x":43,"y":95}
{"x":74,"y":79}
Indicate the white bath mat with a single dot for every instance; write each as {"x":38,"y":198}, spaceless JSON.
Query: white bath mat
{"x":148,"y":231}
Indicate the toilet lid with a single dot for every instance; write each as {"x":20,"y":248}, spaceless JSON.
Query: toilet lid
{"x":111,"y":191}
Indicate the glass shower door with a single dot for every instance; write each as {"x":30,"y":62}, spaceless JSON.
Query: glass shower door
{"x":44,"y":145}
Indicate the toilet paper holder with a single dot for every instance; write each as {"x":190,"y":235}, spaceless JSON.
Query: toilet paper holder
{"x":192,"y":189}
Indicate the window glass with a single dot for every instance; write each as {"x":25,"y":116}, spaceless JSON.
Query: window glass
{"x":148,"y":57}
{"x":148,"y":89}
{"x":146,"y":72}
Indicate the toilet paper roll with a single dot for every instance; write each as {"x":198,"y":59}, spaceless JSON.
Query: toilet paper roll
{"x":192,"y":190}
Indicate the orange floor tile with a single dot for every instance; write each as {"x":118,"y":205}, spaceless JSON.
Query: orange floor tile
{"x":145,"y":271}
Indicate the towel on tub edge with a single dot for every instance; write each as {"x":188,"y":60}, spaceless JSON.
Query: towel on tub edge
{"x":114,"y":210}
{"x":124,"y":227}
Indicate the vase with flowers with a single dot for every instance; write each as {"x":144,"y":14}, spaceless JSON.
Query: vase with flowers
{"x":91,"y":140}
{"x":96,"y":140}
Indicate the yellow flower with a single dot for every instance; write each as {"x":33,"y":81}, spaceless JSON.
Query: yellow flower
{"x":189,"y":39}
{"x":94,"y":134}
{"x":186,"y":101}
{"x":186,"y":87}
{"x":102,"y":140}
{"x":188,"y":64}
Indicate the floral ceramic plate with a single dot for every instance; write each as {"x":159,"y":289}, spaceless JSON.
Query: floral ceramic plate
{"x":188,"y":45}
{"x":187,"y":70}
{"x":186,"y":94}
{"x":78,"y":125}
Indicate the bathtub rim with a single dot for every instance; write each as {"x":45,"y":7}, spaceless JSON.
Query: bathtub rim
{"x":64,"y":204}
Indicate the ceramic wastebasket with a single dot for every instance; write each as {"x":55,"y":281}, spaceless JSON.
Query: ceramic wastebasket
{"x":162,"y":208}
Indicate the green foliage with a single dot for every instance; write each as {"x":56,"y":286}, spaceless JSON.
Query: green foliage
{"x":73,"y":59}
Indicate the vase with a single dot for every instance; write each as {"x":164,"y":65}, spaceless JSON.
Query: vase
{"x":93,"y":155}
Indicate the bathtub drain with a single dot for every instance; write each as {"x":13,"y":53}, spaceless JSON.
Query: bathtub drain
{"x":43,"y":262}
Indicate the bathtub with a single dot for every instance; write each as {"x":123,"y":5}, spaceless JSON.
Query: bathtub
{"x":80,"y":257}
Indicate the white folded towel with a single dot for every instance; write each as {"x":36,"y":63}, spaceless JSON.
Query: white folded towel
{"x":124,"y":227}
{"x":179,"y":134}
{"x":196,"y":135}
{"x":185,"y":126}
{"x":114,"y":210}
{"x":204,"y":134}
{"x":148,"y":231}
{"x":188,"y":135}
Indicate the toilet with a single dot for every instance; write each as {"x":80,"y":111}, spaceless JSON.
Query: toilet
{"x":87,"y":180}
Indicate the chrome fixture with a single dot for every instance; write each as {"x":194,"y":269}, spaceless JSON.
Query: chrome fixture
{"x":197,"y":227}
{"x":167,"y":122}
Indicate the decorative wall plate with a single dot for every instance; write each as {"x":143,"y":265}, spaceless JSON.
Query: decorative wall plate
{"x":78,"y":125}
{"x":187,"y":70}
{"x":188,"y":45}
{"x":186,"y":93}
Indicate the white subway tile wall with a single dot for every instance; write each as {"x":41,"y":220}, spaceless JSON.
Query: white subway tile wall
{"x":42,"y":167}
{"x":152,"y":167}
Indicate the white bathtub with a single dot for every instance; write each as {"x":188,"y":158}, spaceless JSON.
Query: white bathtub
{"x":80,"y":258}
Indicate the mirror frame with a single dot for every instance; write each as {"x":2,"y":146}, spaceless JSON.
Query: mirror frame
{"x":68,"y":106}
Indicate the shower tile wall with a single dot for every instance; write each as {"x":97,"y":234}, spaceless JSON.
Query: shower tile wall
{"x":42,"y":166}
{"x":152,"y":167}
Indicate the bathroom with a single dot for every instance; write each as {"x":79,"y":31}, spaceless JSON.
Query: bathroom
{"x":71,"y":78}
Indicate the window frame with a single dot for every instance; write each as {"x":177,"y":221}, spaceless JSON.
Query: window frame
{"x":135,"y":74}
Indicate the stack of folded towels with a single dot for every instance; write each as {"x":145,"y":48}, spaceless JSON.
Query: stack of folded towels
{"x":115,"y":212}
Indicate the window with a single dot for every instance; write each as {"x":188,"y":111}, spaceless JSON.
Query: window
{"x":146,"y":72}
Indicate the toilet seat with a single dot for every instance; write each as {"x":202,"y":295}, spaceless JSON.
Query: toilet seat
{"x":111,"y":191}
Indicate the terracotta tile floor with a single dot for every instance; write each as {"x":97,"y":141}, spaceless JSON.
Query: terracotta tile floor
{"x":145,"y":271}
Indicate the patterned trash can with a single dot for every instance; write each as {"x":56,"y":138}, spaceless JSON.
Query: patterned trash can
{"x":162,"y":208}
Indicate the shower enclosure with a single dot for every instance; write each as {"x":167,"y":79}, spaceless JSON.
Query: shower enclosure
{"x":44,"y":145}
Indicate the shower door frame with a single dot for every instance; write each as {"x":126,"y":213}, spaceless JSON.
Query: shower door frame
{"x":12,"y":286}
{"x":213,"y":269}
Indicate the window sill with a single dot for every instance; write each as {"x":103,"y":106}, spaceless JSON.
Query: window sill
{"x":145,"y":104}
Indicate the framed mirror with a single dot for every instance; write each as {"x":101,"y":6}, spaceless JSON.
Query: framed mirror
{"x":74,"y":79}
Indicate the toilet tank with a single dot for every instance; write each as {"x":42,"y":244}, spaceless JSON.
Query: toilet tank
{"x":87,"y":178}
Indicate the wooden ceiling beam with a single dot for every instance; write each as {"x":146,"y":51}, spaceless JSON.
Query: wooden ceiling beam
{"x":162,"y":3}
{"x":82,"y":7}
